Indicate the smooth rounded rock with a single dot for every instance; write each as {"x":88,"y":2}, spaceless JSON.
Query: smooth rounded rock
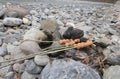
{"x":26,"y":75}
{"x":26,"y":48}
{"x":15,"y":51}
{"x":112,"y":54}
{"x":24,"y":27}
{"x":2,"y":27}
{"x":33,"y":12}
{"x":3,"y":51}
{"x":1,"y":42}
{"x":2,"y":12}
{"x":26,"y":21}
{"x":112,"y":72}
{"x":20,"y":11}
{"x":12,"y":14}
{"x":5,"y":70}
{"x":19,"y":67}
{"x":10,"y":75}
{"x":41,"y":60}
{"x":68,"y":69}
{"x":1,"y":59}
{"x":12,"y":21}
{"x":32,"y":68}
{"x":73,"y":33}
{"x":35,"y":35}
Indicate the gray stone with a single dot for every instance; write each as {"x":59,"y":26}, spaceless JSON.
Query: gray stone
{"x":32,"y":68}
{"x":1,"y":59}
{"x":51,"y":17}
{"x":15,"y":51}
{"x":112,"y":31}
{"x":46,"y":11}
{"x":10,"y":48}
{"x":12,"y":21}
{"x":19,"y":67}
{"x":26,"y":75}
{"x":2,"y":27}
{"x":21,"y":12}
{"x":5,"y":70}
{"x":104,"y":40}
{"x":2,"y":12}
{"x":26,"y":48}
{"x":68,"y":69}
{"x":24,"y":27}
{"x":114,"y":58}
{"x":12,"y":31}
{"x":114,"y":38}
{"x":34,"y":18}
{"x":12,"y":14}
{"x":85,"y":28}
{"x":112,"y":54}
{"x":115,"y":48}
{"x":3,"y":51}
{"x":1,"y":41}
{"x":10,"y":75}
{"x":112,"y":72}
{"x":41,"y":60}
{"x":106,"y":52}
{"x":16,"y":43}
{"x":9,"y":39}
{"x":36,"y":24}
{"x":33,"y":12}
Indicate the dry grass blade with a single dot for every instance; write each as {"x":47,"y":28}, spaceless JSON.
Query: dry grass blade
{"x":32,"y":55}
{"x":45,"y":50}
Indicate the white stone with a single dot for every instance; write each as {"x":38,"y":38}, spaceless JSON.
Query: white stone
{"x":26,"y":21}
{"x":34,"y":35}
{"x":41,"y":60}
{"x":69,"y":24}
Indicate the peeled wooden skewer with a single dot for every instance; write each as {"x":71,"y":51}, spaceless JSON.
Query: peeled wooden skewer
{"x":79,"y":45}
{"x":64,"y":41}
{"x":83,"y":44}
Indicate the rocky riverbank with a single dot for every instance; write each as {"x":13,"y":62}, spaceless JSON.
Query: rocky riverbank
{"x":23,"y":27}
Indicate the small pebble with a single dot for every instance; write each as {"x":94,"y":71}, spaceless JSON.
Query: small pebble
{"x":32,"y":68}
{"x":26,"y":75}
{"x":10,"y":75}
{"x":41,"y":60}
{"x":19,"y":67}
{"x":3,"y":51}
